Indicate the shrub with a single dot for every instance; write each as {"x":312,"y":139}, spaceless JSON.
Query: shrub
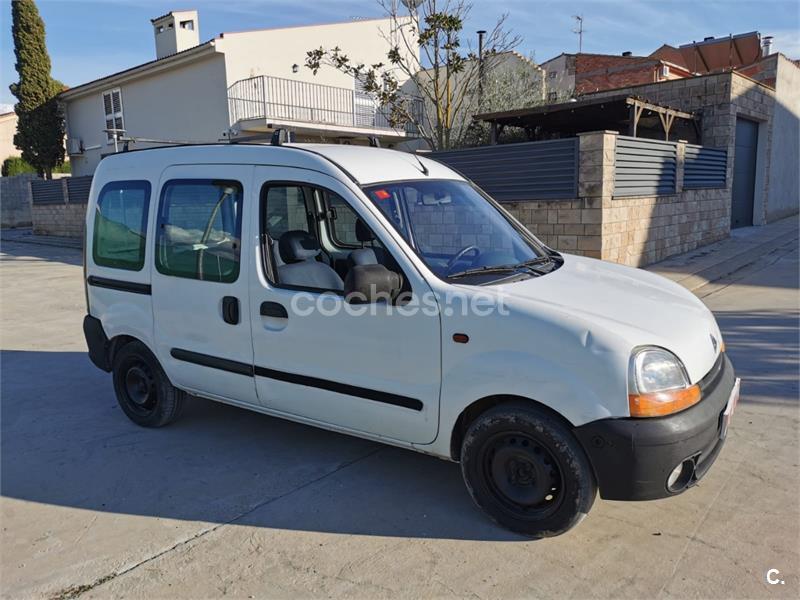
{"x":15,"y":165}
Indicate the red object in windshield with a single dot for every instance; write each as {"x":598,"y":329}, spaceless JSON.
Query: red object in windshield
{"x":381,"y":194}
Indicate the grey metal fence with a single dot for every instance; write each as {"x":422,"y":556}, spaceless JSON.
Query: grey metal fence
{"x":78,"y":189}
{"x":645,"y":167}
{"x":704,"y":167}
{"x":514,"y":172}
{"x":47,"y":191}
{"x":74,"y":190}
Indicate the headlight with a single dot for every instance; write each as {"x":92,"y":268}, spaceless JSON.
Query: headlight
{"x":658,"y":384}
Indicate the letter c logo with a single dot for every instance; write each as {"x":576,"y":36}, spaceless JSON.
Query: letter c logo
{"x":775,"y":580}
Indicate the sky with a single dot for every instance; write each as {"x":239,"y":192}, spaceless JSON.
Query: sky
{"x":89,"y":39}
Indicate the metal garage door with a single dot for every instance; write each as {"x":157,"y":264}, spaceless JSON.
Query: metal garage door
{"x":744,"y":173}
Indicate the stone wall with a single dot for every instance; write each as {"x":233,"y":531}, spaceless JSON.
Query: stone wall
{"x":15,"y":200}
{"x":719,"y":99}
{"x":66,"y":220}
{"x":635,"y":231}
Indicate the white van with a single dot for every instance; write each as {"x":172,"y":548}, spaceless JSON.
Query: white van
{"x":381,"y":294}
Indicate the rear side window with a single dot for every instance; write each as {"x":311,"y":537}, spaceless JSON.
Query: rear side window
{"x":199,"y":229}
{"x":120,"y":225}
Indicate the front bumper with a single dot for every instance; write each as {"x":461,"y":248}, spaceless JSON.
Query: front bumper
{"x":632,"y":458}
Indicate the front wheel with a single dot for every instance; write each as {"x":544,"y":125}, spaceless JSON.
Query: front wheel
{"x":143,"y":390}
{"x":527,"y":471}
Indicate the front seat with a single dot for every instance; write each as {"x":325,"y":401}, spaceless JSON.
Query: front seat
{"x":372,"y":255}
{"x":299,"y":250}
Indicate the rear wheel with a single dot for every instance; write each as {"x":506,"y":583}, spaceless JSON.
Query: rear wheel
{"x":143,"y":391}
{"x":527,"y":471}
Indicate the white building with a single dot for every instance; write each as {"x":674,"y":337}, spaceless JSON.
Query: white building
{"x":234,"y":85}
{"x":8,"y":127}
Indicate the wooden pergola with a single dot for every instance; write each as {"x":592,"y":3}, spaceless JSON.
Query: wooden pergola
{"x":623,"y":113}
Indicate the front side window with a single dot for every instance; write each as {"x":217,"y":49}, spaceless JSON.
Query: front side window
{"x":120,"y":225}
{"x":199,"y":229}
{"x":342,"y":221}
{"x":286,"y":210}
{"x":454,"y":229}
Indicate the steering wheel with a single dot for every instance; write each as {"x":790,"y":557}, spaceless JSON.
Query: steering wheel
{"x":459,"y":255}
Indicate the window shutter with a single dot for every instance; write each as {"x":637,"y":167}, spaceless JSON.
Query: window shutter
{"x":112,"y":107}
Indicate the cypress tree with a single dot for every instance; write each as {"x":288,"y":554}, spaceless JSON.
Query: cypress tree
{"x":40,"y":130}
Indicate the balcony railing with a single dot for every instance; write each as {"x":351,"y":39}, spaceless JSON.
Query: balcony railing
{"x":264,"y":97}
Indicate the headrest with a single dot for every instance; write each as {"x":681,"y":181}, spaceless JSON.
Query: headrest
{"x":363,"y":234}
{"x":362,"y":256}
{"x":296,"y":246}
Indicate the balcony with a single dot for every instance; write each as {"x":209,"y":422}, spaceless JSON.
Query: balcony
{"x":262,"y":103}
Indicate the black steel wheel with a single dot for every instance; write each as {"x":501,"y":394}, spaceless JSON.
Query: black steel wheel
{"x":526,"y":470}
{"x":143,"y":390}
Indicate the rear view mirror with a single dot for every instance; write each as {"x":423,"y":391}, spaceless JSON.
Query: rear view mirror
{"x":436,"y":199}
{"x":366,"y":284}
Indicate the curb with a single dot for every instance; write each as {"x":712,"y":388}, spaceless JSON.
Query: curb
{"x":715,"y":272}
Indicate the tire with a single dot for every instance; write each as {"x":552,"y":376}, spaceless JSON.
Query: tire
{"x":526,"y":470}
{"x":143,"y":391}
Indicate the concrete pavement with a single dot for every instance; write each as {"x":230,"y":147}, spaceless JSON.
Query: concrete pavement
{"x":231,"y":503}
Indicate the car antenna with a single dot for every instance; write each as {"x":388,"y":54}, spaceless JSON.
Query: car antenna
{"x":374,"y":142}
{"x":422,"y":166}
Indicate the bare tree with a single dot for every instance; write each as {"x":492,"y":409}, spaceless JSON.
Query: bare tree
{"x":427,"y":60}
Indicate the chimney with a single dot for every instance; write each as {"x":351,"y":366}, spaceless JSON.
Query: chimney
{"x":627,"y":53}
{"x":176,"y":31}
{"x":766,"y":45}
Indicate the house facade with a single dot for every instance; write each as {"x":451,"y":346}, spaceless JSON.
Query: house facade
{"x":8,"y":127}
{"x":235,"y":85}
{"x":574,"y":75}
{"x":569,"y":75}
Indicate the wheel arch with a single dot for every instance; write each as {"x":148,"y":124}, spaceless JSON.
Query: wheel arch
{"x":478,"y":407}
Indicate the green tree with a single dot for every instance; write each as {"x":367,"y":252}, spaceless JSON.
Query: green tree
{"x":40,"y":130}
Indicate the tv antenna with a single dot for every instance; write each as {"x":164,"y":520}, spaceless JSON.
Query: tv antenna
{"x":579,"y":31}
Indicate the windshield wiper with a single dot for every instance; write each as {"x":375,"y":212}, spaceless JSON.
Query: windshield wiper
{"x":487,"y":270}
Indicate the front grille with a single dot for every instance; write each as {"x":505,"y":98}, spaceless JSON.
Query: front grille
{"x":712,"y":378}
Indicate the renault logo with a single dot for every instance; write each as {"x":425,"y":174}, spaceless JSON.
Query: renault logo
{"x":713,"y":342}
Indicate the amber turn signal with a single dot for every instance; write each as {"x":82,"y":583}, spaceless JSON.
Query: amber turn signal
{"x":658,"y":404}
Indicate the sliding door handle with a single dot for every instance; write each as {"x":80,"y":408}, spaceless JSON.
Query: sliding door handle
{"x":273,"y":309}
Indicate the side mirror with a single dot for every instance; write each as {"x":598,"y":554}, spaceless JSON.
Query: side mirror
{"x":366,"y":284}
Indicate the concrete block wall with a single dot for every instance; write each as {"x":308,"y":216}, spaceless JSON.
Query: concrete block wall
{"x":15,"y":200}
{"x":65,"y":220}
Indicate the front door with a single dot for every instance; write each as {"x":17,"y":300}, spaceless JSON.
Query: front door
{"x":373,"y":370}
{"x":199,"y":283}
{"x":744,"y":173}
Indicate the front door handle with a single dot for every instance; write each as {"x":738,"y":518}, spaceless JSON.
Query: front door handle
{"x":273,"y":309}
{"x":230,"y":310}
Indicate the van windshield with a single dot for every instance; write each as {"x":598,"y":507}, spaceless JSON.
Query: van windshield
{"x":457,"y":231}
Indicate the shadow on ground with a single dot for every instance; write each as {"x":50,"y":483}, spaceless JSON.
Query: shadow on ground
{"x":65,"y":442}
{"x":18,"y":252}
{"x":764,"y":349}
